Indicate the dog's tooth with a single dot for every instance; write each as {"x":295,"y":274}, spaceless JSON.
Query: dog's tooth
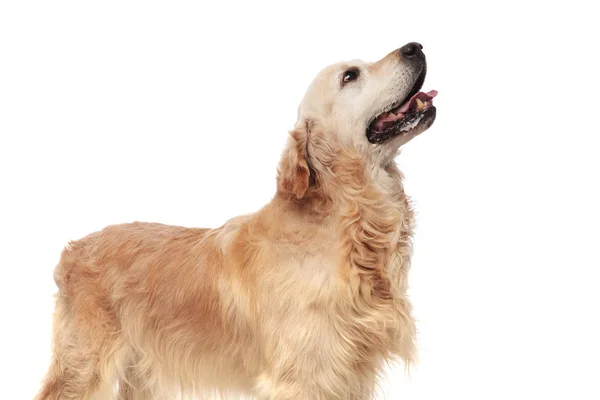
{"x":420,"y":104}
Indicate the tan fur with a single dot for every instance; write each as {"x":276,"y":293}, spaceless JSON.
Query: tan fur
{"x":305,"y":299}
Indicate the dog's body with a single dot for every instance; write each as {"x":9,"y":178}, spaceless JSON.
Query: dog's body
{"x":305,"y":299}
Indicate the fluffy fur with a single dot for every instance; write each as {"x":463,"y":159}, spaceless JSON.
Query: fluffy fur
{"x":305,"y":299}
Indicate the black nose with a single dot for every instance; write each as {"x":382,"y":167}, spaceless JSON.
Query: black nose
{"x":411,"y":50}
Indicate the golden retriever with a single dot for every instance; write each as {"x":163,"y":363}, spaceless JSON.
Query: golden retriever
{"x":305,"y":299}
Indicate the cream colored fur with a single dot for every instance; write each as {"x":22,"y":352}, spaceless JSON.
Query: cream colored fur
{"x":305,"y":299}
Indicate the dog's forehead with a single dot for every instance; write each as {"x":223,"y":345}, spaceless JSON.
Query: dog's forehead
{"x":331,"y":74}
{"x":339,"y":67}
{"x":324,"y":86}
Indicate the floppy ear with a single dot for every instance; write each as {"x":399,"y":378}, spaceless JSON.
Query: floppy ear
{"x":294,"y":173}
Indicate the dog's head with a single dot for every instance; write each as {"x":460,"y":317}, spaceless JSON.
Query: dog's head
{"x":371,"y":108}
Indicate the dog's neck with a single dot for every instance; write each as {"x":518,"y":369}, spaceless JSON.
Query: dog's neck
{"x":343,"y":180}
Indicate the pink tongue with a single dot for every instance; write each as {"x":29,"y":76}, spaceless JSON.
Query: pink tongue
{"x":424,"y":97}
{"x":398,"y":113}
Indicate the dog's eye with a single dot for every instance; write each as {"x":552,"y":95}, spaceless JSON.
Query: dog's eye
{"x":350,"y":75}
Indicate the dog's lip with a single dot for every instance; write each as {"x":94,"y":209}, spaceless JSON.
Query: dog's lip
{"x":419,"y":101}
{"x":413,"y":120}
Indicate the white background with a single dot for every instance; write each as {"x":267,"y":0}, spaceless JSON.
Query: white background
{"x":177,"y":112}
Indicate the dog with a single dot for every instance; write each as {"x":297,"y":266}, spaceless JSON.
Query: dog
{"x":304,"y":299}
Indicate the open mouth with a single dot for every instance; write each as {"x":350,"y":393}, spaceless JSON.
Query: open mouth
{"x":413,"y":112}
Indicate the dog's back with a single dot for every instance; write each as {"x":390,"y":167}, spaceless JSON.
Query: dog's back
{"x":138,"y":303}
